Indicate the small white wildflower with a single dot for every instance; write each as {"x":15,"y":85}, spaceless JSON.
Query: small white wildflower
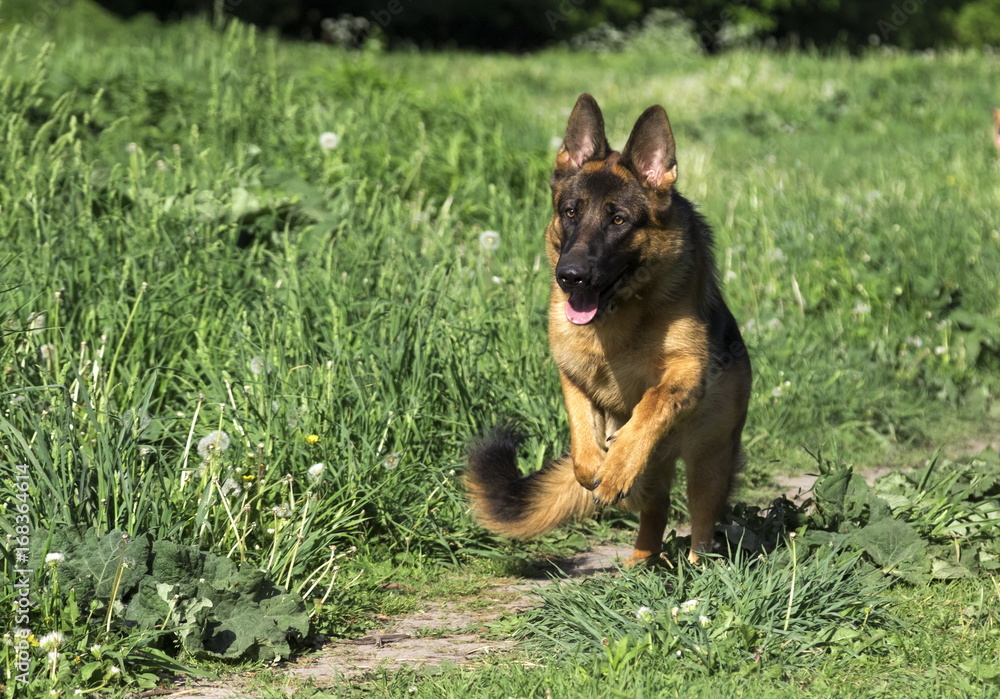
{"x":48,"y":352}
{"x":51,"y":641}
{"x":862,"y":309}
{"x":704,"y":621}
{"x":132,"y":148}
{"x":915,"y":341}
{"x":940,"y":350}
{"x":678,"y":654}
{"x":777,"y":392}
{"x":412,"y":690}
{"x":315,"y":473}
{"x":231,"y":488}
{"x":54,"y":559}
{"x":96,"y":649}
{"x":489,"y":240}
{"x":213,"y":442}
{"x":257,"y":364}
{"x":644,"y":614}
{"x":497,"y":280}
{"x":689,"y":606}
{"x":329,"y":140}
{"x":114,"y":670}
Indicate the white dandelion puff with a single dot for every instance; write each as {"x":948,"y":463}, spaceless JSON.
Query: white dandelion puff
{"x":48,"y":352}
{"x":132,"y":148}
{"x":54,"y":559}
{"x":391,"y":461}
{"x":328,"y":140}
{"x":315,"y":473}
{"x":231,"y":488}
{"x":216,"y":441}
{"x":257,"y":364}
{"x":36,"y":323}
{"x":861,"y":309}
{"x":489,"y":240}
{"x":281,"y":512}
{"x":777,"y":392}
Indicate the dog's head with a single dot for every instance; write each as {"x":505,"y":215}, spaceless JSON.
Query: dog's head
{"x":610,"y":208}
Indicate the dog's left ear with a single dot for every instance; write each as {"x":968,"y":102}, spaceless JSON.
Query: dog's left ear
{"x":651,"y":151}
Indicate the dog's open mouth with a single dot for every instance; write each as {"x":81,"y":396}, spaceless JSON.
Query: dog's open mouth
{"x":582,"y":306}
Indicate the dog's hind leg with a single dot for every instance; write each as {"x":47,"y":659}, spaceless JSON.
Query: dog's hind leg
{"x":652,"y":524}
{"x":710,"y":476}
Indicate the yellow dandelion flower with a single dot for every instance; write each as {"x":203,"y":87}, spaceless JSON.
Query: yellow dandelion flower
{"x":312,"y":439}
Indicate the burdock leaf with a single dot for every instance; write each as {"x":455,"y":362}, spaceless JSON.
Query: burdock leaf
{"x":895,"y":546}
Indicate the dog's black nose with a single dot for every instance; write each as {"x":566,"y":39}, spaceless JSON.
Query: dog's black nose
{"x":571,"y":276}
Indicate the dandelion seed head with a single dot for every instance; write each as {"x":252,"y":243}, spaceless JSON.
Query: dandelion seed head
{"x":48,"y":352}
{"x":36,"y":323}
{"x":391,"y":461}
{"x":489,"y":240}
{"x":315,"y":473}
{"x":132,"y":148}
{"x":328,"y":140}
{"x":231,"y":488}
{"x":54,"y":559}
{"x":217,"y":441}
{"x":257,"y":365}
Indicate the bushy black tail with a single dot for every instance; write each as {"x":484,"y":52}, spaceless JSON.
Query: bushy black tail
{"x":521,"y":507}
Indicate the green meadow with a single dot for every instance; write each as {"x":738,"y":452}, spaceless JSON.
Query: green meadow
{"x":257,"y":297}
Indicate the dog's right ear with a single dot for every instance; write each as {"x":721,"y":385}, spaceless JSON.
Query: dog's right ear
{"x":584,"y":139}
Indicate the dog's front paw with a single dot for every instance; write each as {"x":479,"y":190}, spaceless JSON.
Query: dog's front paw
{"x":613,"y":481}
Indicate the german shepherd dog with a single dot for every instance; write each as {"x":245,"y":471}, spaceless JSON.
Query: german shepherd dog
{"x":652,"y":364}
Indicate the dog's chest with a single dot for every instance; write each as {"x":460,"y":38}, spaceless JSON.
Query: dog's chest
{"x":614,"y":382}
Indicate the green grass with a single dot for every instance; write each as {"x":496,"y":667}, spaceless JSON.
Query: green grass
{"x":179,"y":256}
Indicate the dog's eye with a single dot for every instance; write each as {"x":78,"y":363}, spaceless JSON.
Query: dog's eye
{"x":570,"y":212}
{"x":618,"y":219}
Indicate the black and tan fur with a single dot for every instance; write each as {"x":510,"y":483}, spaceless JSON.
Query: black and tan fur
{"x":652,"y":364}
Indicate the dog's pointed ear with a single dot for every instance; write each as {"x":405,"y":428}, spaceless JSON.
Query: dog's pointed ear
{"x":651,"y":151}
{"x":584,"y":139}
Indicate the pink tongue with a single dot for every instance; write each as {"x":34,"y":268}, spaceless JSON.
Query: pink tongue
{"x":582,"y":307}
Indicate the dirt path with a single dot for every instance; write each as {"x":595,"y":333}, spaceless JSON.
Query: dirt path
{"x":450,"y":631}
